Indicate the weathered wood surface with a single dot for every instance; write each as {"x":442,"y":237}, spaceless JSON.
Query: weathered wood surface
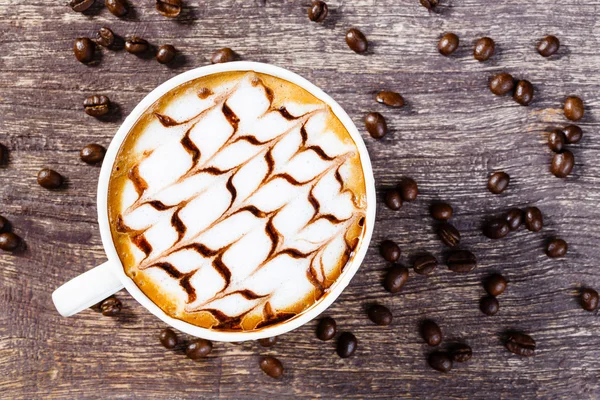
{"x":453,"y":133}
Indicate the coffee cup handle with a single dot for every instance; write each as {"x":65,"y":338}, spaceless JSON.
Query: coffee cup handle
{"x":85,"y":290}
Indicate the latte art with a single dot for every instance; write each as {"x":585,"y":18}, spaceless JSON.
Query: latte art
{"x":236,"y":201}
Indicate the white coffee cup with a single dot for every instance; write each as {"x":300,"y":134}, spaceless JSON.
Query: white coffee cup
{"x":100,"y":282}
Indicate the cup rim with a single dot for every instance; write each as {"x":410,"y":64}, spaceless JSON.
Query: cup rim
{"x":102,"y":200}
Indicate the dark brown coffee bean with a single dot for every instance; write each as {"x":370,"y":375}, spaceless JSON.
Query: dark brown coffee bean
{"x":268,"y":342}
{"x":375,"y":124}
{"x":441,"y":211}
{"x":495,"y":284}
{"x":429,"y":4}
{"x":440,"y":362}
{"x":520,"y":344}
{"x":136,"y":45}
{"x":116,"y":7}
{"x":556,"y":248}
{"x":395,"y":278}
{"x":390,"y":99}
{"x":448,"y":44}
{"x":49,"y":179}
{"x":489,"y":305}
{"x":497,"y":228}
{"x":523,"y":92}
{"x":326,"y":328}
{"x":80,"y":5}
{"x":556,"y":140}
{"x":198,"y":349}
{"x":589,"y":299}
{"x":389,"y":250}
{"x":168,"y":338}
{"x":514,"y":217}
{"x":9,"y":241}
{"x":498,"y":182}
{"x":105,"y":37}
{"x":501,"y":84}
{"x":271,"y":366}
{"x":380,"y":315}
{"x":461,"y":261}
{"x":92,"y":153}
{"x":534,"y":221}
{"x":462,"y":353}
{"x":562,"y":164}
{"x":448,"y":234}
{"x":318,"y":11}
{"x":4,"y":224}
{"x":169,"y":8}
{"x":393,"y":199}
{"x":165,"y":54}
{"x":574,"y":108}
{"x":96,"y":105}
{"x":356,"y":41}
{"x":408,"y":189}
{"x":548,"y":46}
{"x":84,"y":49}
{"x":3,"y":154}
{"x":431,"y":333}
{"x":346,"y":345}
{"x":223,"y":55}
{"x":484,"y":49}
{"x":573,"y":134}
{"x":425,"y":264}
{"x":111,"y":306}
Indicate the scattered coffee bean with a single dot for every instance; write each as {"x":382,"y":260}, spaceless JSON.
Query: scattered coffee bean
{"x":501,"y":84}
{"x":462,"y":353}
{"x":496,"y":228}
{"x":589,"y":299}
{"x":461,"y":261}
{"x":380,"y":315}
{"x":198,"y":349}
{"x":168,"y":338}
{"x":3,"y":154}
{"x":9,"y":241}
{"x":390,"y":99}
{"x":223,"y":55}
{"x":408,"y":189}
{"x":448,"y":234}
{"x":514,"y":217}
{"x":105,"y":37}
{"x":389,"y":250}
{"x":116,"y":7}
{"x":136,"y":45}
{"x":96,"y":105}
{"x":484,"y":49}
{"x":431,"y":333}
{"x":573,"y":134}
{"x":448,"y":44}
{"x":169,"y":8}
{"x":346,"y":345}
{"x":356,"y":41}
{"x":165,"y":54}
{"x":111,"y":306}
{"x":49,"y":179}
{"x":80,"y":5}
{"x":556,"y":248}
{"x":271,"y":366}
{"x":498,"y":182}
{"x":4,"y":224}
{"x":441,"y":211}
{"x":495,"y":284}
{"x":534,"y":221}
{"x":318,"y":11}
{"x":489,"y":305}
{"x":523,"y":92}
{"x":84,"y":49}
{"x":326,"y":328}
{"x":556,"y":140}
{"x":440,"y":362}
{"x":92,"y":153}
{"x":574,"y":108}
{"x":425,"y":264}
{"x":393,"y":199}
{"x":268,"y":342}
{"x":548,"y":46}
{"x":375,"y":124}
{"x":395,"y":278}
{"x":429,"y":4}
{"x":562,"y":164}
{"x":520,"y":344}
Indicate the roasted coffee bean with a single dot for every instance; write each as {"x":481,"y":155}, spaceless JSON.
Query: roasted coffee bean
{"x":318,"y":11}
{"x":169,"y":8}
{"x":523,"y":92}
{"x":429,"y":4}
{"x":84,"y":49}
{"x":390,"y":99}
{"x":562,"y":164}
{"x":441,"y":211}
{"x":389,"y":250}
{"x":534,"y":221}
{"x":92,"y":153}
{"x":498,"y":182}
{"x":96,"y":105}
{"x":408,"y":189}
{"x":111,"y":306}
{"x":440,"y":361}
{"x":556,"y":248}
{"x":346,"y":345}
{"x":198,"y":349}
{"x":4,"y":224}
{"x":326,"y":328}
{"x":165,"y":54}
{"x":448,"y":44}
{"x":375,"y":124}
{"x":380,"y":315}
{"x":49,"y":179}
{"x":574,"y":108}
{"x":395,"y":278}
{"x":573,"y":134}
{"x":271,"y":366}
{"x":3,"y":154}
{"x":80,"y":5}
{"x":495,"y":284}
{"x":105,"y":37}
{"x":589,"y":299}
{"x":425,"y":264}
{"x":501,"y":84}
{"x":136,"y":45}
{"x":489,"y":305}
{"x":268,"y":342}
{"x":168,"y":338}
{"x":448,"y":234}
{"x":431,"y":333}
{"x":497,"y":228}
{"x":462,"y":353}
{"x":116,"y":7}
{"x":393,"y":199}
{"x":9,"y":241}
{"x":520,"y":344}
{"x":556,"y":140}
{"x":548,"y":46}
{"x":223,"y":55}
{"x":484,"y":49}
{"x":461,"y":261}
{"x":514,"y":217}
{"x":357,"y":41}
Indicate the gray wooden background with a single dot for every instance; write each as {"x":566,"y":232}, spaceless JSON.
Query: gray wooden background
{"x":452,"y":134}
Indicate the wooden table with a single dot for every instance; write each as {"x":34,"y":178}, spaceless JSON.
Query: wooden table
{"x":450,"y":137}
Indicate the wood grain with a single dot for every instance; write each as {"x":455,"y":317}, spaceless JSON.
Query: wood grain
{"x":450,"y":137}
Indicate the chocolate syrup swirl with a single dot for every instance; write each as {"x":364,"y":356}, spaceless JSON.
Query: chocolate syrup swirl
{"x":166,"y":121}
